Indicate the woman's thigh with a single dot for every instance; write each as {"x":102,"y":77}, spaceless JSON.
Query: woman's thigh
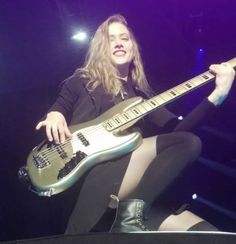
{"x":140,"y":159}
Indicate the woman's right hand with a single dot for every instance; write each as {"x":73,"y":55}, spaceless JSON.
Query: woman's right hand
{"x":56,"y":127}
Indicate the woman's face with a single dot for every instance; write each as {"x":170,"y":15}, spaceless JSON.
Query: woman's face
{"x":121,"y":46}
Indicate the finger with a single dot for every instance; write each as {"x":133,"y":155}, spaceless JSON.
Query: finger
{"x":55,"y":134}
{"x":61,"y":133}
{"x":222,"y":69}
{"x":39,"y":125}
{"x":67,"y":131}
{"x":49,"y":133}
{"x":229,"y":68}
{"x":226,"y":64}
{"x":214,"y":67}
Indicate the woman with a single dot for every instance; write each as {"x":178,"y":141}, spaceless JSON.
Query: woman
{"x":113,"y":72}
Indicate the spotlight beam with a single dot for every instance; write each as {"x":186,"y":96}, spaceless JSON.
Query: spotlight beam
{"x":218,"y":167}
{"x":217,"y":207}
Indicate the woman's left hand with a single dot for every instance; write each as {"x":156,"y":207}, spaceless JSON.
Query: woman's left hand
{"x":225,"y":75}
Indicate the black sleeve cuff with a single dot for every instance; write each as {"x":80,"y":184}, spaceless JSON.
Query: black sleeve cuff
{"x":197,"y":116}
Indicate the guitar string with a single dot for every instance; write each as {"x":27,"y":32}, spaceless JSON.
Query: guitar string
{"x":54,"y":150}
{"x":46,"y":151}
{"x":99,"y":125}
{"x":88,"y":133}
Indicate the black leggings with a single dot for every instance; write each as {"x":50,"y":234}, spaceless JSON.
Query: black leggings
{"x":174,"y":152}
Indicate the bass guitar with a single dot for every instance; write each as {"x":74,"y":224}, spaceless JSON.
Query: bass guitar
{"x":53,"y":168}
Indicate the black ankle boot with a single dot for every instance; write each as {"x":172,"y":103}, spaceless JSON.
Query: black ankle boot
{"x":129,"y":216}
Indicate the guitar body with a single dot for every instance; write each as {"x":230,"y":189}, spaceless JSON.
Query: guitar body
{"x":54,"y":168}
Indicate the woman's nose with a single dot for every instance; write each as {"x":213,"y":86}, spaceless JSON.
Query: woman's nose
{"x":118,"y":43}
{"x":118,"y":46}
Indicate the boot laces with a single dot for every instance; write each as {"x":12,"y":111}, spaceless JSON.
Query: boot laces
{"x":140,"y":218}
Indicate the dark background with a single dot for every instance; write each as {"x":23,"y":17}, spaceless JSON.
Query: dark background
{"x":37,"y":53}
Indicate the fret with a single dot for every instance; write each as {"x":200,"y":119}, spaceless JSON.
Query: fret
{"x":198,"y":82}
{"x":108,"y":125}
{"x":113,"y":122}
{"x":121,"y":118}
{"x":117,"y":120}
{"x":136,"y":111}
{"x":141,"y":107}
{"x":188,"y":85}
{"x":207,"y":75}
{"x":176,"y":90}
{"x":147,"y":106}
{"x":165,"y":96}
{"x":159,"y":100}
{"x":173,"y":93}
{"x":152,"y":103}
{"x":126,"y":116}
{"x":181,"y":89}
{"x":130,"y":114}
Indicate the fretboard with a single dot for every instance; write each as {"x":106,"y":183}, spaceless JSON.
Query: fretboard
{"x":146,"y":107}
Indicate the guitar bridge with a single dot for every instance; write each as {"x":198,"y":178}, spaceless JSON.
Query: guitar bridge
{"x":71,"y":164}
{"x":41,"y":161}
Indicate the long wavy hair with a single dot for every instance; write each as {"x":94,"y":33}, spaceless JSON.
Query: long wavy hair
{"x":98,"y":68}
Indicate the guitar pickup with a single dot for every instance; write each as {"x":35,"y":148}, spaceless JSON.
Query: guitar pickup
{"x":71,"y":164}
{"x":82,"y":138}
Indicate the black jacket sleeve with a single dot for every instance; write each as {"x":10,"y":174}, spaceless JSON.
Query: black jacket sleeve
{"x":68,"y":95}
{"x":197,"y":116}
{"x":168,"y":121}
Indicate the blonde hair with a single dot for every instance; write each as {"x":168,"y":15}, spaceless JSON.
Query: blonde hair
{"x":98,"y":68}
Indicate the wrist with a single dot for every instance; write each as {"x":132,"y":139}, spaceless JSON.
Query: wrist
{"x":51,"y":113}
{"x":217,"y":98}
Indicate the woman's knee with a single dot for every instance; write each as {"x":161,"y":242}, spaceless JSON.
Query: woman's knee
{"x":192,"y":143}
{"x":188,"y":140}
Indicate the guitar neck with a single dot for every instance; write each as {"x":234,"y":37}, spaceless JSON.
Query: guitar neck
{"x":146,"y":107}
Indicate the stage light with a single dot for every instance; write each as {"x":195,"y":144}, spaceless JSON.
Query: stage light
{"x":80,"y":36}
{"x":180,"y":118}
{"x":201,"y":50}
{"x":194,"y":196}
